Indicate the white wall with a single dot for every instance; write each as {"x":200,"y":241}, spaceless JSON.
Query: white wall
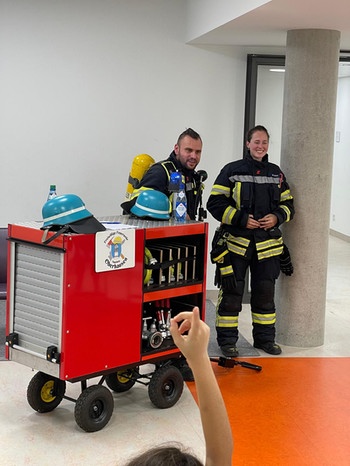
{"x":340,"y":220}
{"x":85,"y":85}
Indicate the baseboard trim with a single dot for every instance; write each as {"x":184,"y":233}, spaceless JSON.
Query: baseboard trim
{"x":339,"y":235}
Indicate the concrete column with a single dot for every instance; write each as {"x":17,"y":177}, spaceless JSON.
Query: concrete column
{"x":310,"y":90}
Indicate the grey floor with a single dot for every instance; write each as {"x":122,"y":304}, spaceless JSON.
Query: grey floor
{"x":29,"y":438}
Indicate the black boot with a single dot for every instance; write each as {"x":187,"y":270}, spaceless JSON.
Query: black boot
{"x":230,"y":351}
{"x":269,"y":347}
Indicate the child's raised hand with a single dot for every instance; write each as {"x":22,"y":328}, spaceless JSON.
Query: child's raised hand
{"x":194,"y":344}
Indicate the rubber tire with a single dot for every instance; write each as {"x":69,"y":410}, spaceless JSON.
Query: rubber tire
{"x":120,"y":382}
{"x":94,"y":408}
{"x":165,"y":387}
{"x":45,"y":393}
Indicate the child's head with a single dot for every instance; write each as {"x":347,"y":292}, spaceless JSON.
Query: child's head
{"x":171,"y":455}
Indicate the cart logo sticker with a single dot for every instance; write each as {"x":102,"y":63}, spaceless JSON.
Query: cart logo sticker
{"x":115,"y":250}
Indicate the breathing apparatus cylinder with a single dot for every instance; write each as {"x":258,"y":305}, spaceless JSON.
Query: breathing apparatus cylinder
{"x":139,"y":166}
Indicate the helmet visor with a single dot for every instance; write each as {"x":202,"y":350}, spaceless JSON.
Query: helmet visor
{"x":87,"y":226}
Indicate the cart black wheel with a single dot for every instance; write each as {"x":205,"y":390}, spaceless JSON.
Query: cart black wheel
{"x":165,"y":387}
{"x":45,"y":393}
{"x":94,"y":408}
{"x":121,"y":381}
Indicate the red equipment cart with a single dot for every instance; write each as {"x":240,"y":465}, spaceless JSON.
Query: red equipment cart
{"x":99,"y":305}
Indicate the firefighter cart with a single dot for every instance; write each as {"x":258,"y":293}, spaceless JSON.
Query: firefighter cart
{"x":98,"y":306}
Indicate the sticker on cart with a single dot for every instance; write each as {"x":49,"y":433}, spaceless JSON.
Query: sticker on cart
{"x":114,"y":250}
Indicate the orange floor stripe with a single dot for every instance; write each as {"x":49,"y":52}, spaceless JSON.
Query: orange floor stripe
{"x":295,"y":412}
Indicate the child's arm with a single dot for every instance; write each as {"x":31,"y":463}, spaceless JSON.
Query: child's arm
{"x":194,"y":346}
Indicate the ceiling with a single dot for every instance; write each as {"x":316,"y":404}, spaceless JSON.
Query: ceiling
{"x":268,"y":25}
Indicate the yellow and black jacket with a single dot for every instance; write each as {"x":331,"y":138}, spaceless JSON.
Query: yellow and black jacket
{"x":157,"y":177}
{"x":249,"y":187}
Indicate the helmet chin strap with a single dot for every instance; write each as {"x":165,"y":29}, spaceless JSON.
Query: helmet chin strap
{"x":46,"y":240}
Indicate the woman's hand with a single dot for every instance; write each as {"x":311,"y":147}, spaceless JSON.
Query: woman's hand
{"x":268,"y":222}
{"x":252,"y":223}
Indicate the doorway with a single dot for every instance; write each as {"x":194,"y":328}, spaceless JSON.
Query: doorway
{"x":264,"y":105}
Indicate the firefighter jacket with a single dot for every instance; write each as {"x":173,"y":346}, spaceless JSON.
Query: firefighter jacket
{"x":249,"y":187}
{"x":157,"y":177}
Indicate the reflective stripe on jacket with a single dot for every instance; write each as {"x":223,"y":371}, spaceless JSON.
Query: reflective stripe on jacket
{"x":251,"y":188}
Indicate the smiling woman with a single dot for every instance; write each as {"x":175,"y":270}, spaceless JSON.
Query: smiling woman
{"x":258,"y":143}
{"x":251,"y":199}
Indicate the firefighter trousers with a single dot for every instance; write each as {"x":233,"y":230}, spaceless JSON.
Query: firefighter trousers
{"x":263,"y":275}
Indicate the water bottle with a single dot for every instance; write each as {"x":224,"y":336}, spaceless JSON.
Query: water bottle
{"x":177,"y":187}
{"x":174,"y":181}
{"x":180,"y":204}
{"x":52,"y":192}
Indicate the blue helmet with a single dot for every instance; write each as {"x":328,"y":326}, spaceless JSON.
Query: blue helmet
{"x":152,"y":204}
{"x":69,"y":209}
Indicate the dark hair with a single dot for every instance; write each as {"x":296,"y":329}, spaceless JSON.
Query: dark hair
{"x":166,"y":455}
{"x":254,"y":130}
{"x":189,"y":132}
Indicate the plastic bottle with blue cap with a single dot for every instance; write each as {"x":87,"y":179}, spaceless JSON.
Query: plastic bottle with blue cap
{"x":52,"y":192}
{"x":177,"y":187}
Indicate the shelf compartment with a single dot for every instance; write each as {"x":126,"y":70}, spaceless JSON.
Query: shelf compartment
{"x":172,"y":292}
